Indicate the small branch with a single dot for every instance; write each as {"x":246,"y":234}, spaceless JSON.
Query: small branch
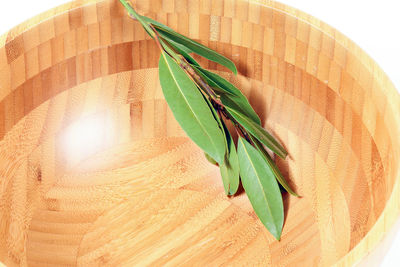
{"x":157,"y":38}
{"x":219,"y":111}
{"x":199,"y":80}
{"x":186,"y":66}
{"x":132,"y":16}
{"x":241,"y":132}
{"x":245,"y":134}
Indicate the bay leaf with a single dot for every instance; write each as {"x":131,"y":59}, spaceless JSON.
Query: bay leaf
{"x":190,"y":109}
{"x":193,"y":46}
{"x":215,"y":80}
{"x":184,"y":52}
{"x":230,"y":167}
{"x":258,"y":132}
{"x":241,"y":105}
{"x":229,"y":94}
{"x":156,"y":23}
{"x":271,"y":164}
{"x":261,"y":188}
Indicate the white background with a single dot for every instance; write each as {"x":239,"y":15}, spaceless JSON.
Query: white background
{"x":374,"y":25}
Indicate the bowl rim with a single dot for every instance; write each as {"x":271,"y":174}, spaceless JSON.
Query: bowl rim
{"x":391,"y":212}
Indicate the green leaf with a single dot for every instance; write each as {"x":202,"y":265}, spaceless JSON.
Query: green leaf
{"x":212,"y":84}
{"x":167,"y":48}
{"x":230,"y":95}
{"x":214,"y":80}
{"x":258,"y":132}
{"x":217,"y":118}
{"x":184,"y":52}
{"x":225,"y":177}
{"x":241,"y":105}
{"x":190,"y":109}
{"x":271,"y":164}
{"x":156,"y":23}
{"x":210,"y":159}
{"x":261,"y":188}
{"x":193,"y":46}
{"x":221,"y":126}
{"x":230,"y":167}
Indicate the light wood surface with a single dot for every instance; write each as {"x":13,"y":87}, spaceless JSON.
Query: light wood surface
{"x":147,"y":196}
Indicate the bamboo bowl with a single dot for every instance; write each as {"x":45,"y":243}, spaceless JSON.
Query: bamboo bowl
{"x":136,"y":191}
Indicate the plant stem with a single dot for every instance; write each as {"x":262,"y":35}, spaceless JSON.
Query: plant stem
{"x":185,"y":66}
{"x":131,"y":11}
{"x":199,"y":80}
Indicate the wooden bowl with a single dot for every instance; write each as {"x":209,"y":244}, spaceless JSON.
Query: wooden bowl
{"x":95,"y":171}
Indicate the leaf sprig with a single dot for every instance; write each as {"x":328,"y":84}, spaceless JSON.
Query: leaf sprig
{"x":202,"y":102}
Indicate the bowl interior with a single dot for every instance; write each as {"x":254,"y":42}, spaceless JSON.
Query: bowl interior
{"x":95,"y":169}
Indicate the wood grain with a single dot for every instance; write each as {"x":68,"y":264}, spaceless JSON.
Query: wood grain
{"x":147,"y":196}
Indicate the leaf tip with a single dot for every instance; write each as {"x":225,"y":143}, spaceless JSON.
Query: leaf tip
{"x":277,"y":234}
{"x":295,"y":194}
{"x":231,"y":192}
{"x":234,"y":69}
